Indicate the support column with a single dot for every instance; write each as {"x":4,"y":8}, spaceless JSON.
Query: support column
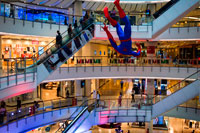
{"x":149,"y":126}
{"x":88,"y":87}
{"x":70,"y":10}
{"x":78,"y":89}
{"x":97,"y":84}
{"x":1,"y":52}
{"x":78,"y":9}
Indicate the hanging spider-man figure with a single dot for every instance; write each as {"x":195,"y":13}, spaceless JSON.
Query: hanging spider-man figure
{"x":125,"y":47}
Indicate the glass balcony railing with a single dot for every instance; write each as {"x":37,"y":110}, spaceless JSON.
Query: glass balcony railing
{"x":39,"y":15}
{"x":171,"y":90}
{"x":16,"y":66}
{"x":105,"y":108}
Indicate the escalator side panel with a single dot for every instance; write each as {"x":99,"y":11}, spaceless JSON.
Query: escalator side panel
{"x":68,"y":49}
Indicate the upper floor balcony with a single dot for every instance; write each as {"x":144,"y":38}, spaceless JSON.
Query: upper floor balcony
{"x":32,"y":22}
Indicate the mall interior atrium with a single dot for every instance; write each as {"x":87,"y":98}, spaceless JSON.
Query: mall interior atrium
{"x":100,"y":66}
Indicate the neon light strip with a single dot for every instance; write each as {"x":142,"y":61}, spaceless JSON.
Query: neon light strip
{"x":131,"y":1}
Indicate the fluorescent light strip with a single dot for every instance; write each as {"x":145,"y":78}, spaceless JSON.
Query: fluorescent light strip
{"x":131,"y":1}
{"x":124,"y":77}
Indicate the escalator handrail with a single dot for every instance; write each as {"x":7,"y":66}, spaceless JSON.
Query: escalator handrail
{"x":176,"y":85}
{"x":164,"y":8}
{"x":46,"y":58}
{"x":69,"y":40}
{"x":78,"y":116}
{"x":82,"y":105}
{"x":75,"y":119}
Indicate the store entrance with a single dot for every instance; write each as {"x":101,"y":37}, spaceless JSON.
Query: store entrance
{"x":50,"y":90}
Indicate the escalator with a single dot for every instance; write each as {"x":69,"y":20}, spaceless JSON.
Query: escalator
{"x":180,"y":93}
{"x":171,"y":13}
{"x":77,"y":119}
{"x":49,"y":59}
{"x":184,"y":113}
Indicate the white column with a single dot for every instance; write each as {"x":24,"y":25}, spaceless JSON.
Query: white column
{"x":88,"y":87}
{"x":150,"y":86}
{"x":149,"y":126}
{"x":1,"y":52}
{"x":78,"y":89}
{"x":70,"y":10}
{"x":97,"y":84}
{"x":78,"y":9}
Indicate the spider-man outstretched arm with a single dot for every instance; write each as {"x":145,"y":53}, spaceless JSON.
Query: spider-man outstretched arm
{"x":110,"y":37}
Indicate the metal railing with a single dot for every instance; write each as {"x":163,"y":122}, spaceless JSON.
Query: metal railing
{"x":173,"y":89}
{"x":31,"y":109}
{"x":36,"y":15}
{"x":14,"y":64}
{"x":106,"y":108}
{"x":15,"y":68}
{"x":77,"y":113}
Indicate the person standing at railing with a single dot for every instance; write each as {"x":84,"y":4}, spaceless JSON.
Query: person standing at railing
{"x":35,"y":107}
{"x":2,"y":113}
{"x":58,"y":91}
{"x":75,"y":24}
{"x":122,"y":84}
{"x":120,"y":100}
{"x":12,"y":11}
{"x":18,"y":103}
{"x":58,"y":39}
{"x":3,"y":103}
{"x":65,"y":21}
{"x":98,"y":98}
{"x":133,"y":96}
{"x":67,"y":93}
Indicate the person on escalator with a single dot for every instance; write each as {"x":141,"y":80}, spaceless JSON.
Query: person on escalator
{"x":69,"y":30}
{"x":75,"y":24}
{"x":58,"y":39}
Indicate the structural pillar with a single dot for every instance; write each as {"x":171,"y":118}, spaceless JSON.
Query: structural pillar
{"x":78,"y":9}
{"x":88,"y":87}
{"x":1,"y":61}
{"x":149,"y":126}
{"x":78,"y":89}
{"x":70,"y":10}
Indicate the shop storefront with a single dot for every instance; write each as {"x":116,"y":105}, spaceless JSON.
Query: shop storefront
{"x":12,"y":47}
